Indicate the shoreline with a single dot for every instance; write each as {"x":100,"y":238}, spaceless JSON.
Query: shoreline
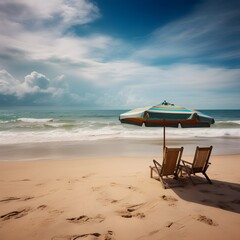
{"x":112,"y":148}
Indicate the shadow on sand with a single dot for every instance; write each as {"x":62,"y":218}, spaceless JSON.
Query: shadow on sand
{"x":223,"y":195}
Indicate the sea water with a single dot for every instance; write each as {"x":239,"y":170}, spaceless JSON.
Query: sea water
{"x":45,"y":124}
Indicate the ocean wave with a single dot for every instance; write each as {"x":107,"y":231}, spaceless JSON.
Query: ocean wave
{"x":35,"y":120}
{"x":43,"y":125}
{"x":22,"y":130}
{"x":92,"y":123}
{"x":113,"y":132}
{"x":223,"y":124}
{"x":4,"y":121}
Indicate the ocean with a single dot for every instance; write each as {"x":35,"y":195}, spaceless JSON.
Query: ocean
{"x":34,"y":125}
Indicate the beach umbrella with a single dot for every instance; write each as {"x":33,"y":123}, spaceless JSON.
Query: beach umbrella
{"x":166,"y":115}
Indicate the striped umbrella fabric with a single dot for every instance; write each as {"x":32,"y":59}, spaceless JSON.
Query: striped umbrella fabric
{"x":166,"y":115}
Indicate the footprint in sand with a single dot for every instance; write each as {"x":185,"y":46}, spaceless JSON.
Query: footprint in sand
{"x":41,"y":207}
{"x":40,"y":184}
{"x":83,"y":218}
{"x":171,"y":200}
{"x":108,"y":236}
{"x":129,"y":212}
{"x":15,"y":214}
{"x":55,"y":212}
{"x":132,"y":188}
{"x":9,"y":199}
{"x":74,"y":237}
{"x":88,"y":175}
{"x":206,"y":220}
{"x":27,"y":198}
{"x":169,"y":224}
{"x":154,"y":232}
{"x":110,"y":194}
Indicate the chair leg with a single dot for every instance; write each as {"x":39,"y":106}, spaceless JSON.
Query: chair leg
{"x":189,"y":175}
{"x":206,"y":176}
{"x":192,"y":180}
{"x":179,"y":172}
{"x":162,"y":182}
{"x":151,"y":171}
{"x":175,"y":176}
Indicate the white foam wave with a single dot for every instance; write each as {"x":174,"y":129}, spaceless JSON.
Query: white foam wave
{"x":2,"y":121}
{"x":230,"y":121}
{"x":35,"y":120}
{"x":111,"y":132}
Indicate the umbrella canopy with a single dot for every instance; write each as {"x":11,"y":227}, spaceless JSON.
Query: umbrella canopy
{"x":166,"y":115}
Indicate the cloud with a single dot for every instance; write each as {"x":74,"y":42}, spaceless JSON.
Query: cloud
{"x":35,"y":87}
{"x":8,"y":84}
{"x":133,"y":73}
{"x":38,"y":89}
{"x":99,"y":70}
{"x":193,"y":85}
{"x":37,"y":80}
{"x":39,"y":31}
{"x":209,"y":33}
{"x":61,"y":13}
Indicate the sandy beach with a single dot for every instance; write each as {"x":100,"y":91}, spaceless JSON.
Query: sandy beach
{"x":113,"y":197}
{"x":91,"y":92}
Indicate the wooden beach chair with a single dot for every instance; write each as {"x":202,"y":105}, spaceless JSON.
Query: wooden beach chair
{"x":200,"y":163}
{"x":168,"y":168}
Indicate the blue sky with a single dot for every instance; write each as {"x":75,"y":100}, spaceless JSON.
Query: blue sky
{"x":119,"y":54}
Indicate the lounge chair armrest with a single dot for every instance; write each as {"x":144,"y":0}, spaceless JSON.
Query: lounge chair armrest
{"x":185,"y":162}
{"x":157,"y":165}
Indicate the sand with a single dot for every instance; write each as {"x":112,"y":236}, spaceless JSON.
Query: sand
{"x":115,"y":198}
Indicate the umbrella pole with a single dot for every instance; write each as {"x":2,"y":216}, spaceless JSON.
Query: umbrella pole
{"x":164,"y":142}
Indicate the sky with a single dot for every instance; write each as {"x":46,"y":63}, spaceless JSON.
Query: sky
{"x":120,"y":54}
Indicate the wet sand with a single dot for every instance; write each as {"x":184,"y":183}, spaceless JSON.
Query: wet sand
{"x":112,"y":148}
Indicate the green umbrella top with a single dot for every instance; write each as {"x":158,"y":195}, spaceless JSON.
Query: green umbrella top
{"x":166,"y":115}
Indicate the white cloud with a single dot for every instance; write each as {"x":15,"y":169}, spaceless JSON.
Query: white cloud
{"x":137,"y":85}
{"x":8,"y":84}
{"x":115,"y":72}
{"x":132,"y":73}
{"x":78,"y":12}
{"x":33,"y":84}
{"x":195,"y":86}
{"x":101,"y":70}
{"x":211,"y":31}
{"x":38,"y":80}
{"x":36,"y":88}
{"x":37,"y":30}
{"x":43,"y":45}
{"x":49,"y":13}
